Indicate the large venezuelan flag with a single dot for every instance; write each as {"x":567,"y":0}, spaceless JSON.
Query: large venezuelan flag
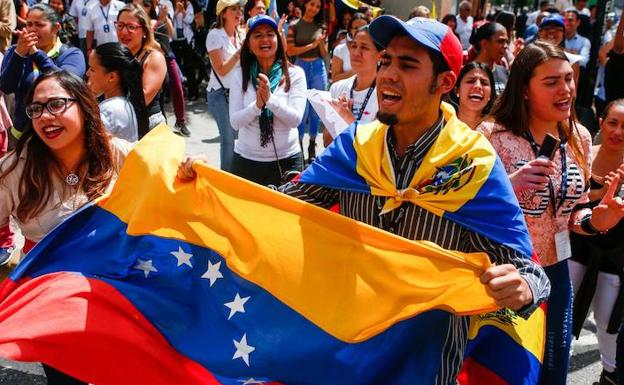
{"x":462,"y":179}
{"x":221,"y":281}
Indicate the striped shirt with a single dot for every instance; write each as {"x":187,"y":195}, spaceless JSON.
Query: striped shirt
{"x":413,"y":222}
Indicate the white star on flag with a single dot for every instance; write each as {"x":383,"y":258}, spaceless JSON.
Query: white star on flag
{"x":145,"y":266}
{"x":183,"y":257}
{"x":237,"y":306}
{"x":242,"y":349}
{"x":213,"y":272}
{"x":251,"y":381}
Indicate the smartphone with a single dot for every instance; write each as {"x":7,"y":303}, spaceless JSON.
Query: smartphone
{"x":549,"y":146}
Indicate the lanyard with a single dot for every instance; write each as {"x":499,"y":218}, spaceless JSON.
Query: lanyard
{"x":365,"y":102}
{"x":105,"y":14}
{"x":564,"y":173}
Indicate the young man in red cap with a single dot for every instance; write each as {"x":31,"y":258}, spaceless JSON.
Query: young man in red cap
{"x":420,"y":64}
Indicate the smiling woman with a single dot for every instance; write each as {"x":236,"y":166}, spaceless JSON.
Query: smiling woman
{"x":538,"y":102}
{"x":64,"y":159}
{"x":475,"y":93}
{"x":267,"y":101}
{"x":76,"y":160}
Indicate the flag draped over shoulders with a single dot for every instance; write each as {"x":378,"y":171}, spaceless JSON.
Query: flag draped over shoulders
{"x":462,"y":179}
{"x":221,"y":281}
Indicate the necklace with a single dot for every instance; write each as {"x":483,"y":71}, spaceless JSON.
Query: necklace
{"x":72,"y":179}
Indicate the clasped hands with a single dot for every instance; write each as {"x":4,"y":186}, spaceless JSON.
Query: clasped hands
{"x":263,"y":91}
{"x":26,"y":42}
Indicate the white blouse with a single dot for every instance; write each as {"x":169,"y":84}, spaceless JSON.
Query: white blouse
{"x":218,"y":39}
{"x":287,"y":107}
{"x":58,"y":207}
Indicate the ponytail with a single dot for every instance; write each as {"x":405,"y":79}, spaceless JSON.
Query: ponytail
{"x":117,"y":57}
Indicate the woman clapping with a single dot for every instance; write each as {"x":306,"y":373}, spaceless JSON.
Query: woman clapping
{"x":267,"y":102}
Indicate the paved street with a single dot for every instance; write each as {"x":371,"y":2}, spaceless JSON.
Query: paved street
{"x":585,"y":362}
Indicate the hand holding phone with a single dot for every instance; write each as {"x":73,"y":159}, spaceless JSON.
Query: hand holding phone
{"x":532,"y":175}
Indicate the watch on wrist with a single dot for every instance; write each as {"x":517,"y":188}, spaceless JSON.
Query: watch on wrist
{"x":588,"y":228}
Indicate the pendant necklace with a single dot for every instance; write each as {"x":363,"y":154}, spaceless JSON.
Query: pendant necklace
{"x":72,"y":179}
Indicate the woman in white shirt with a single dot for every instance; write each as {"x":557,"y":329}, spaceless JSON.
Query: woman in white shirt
{"x":116,"y":75}
{"x":64,"y":159}
{"x":267,"y":103}
{"x":341,"y":61}
{"x":355,"y":98}
{"x":223,"y":47}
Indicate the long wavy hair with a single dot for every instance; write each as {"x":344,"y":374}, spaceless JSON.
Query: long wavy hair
{"x":511,"y":109}
{"x":247,"y":57}
{"x":36,"y":182}
{"x":319,"y":19}
{"x":116,"y":57}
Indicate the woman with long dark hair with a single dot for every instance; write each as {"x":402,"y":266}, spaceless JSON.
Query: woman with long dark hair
{"x":64,"y":159}
{"x":475,"y":93}
{"x":538,"y":102}
{"x":307,"y":42}
{"x":267,"y":100}
{"x":115,"y":75}
{"x":134,"y":30}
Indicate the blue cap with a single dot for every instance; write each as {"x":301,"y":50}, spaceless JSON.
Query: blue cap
{"x":428,"y":32}
{"x":553,"y":19}
{"x":259,"y":20}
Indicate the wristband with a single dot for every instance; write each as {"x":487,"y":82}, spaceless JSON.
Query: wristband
{"x":587,"y":227}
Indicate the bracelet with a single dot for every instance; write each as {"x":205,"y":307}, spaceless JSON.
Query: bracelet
{"x":587,"y":227}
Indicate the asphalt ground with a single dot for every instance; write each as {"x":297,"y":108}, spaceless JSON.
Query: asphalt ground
{"x":585,"y":364}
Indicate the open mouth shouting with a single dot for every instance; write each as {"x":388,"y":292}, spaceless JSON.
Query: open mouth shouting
{"x":563,"y":104}
{"x":476,"y":97}
{"x":390,"y":98}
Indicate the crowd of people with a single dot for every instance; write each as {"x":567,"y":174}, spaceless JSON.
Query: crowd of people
{"x":81,"y":81}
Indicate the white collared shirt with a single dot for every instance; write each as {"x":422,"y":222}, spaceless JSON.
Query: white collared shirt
{"x":79,"y":9}
{"x":287,"y":107}
{"x":102,"y":20}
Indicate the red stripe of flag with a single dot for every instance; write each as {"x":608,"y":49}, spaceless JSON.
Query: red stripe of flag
{"x":87,"y":329}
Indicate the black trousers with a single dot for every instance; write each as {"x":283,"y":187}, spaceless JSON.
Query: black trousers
{"x":189,"y":63}
{"x":265,"y":173}
{"x":58,"y":378}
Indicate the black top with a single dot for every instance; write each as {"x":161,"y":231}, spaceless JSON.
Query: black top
{"x":154,"y":107}
{"x":614,"y":76}
{"x":599,"y":253}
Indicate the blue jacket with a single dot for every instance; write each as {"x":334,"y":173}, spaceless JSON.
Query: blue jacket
{"x":17,"y":75}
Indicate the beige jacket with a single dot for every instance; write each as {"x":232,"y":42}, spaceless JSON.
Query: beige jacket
{"x":8,"y":23}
